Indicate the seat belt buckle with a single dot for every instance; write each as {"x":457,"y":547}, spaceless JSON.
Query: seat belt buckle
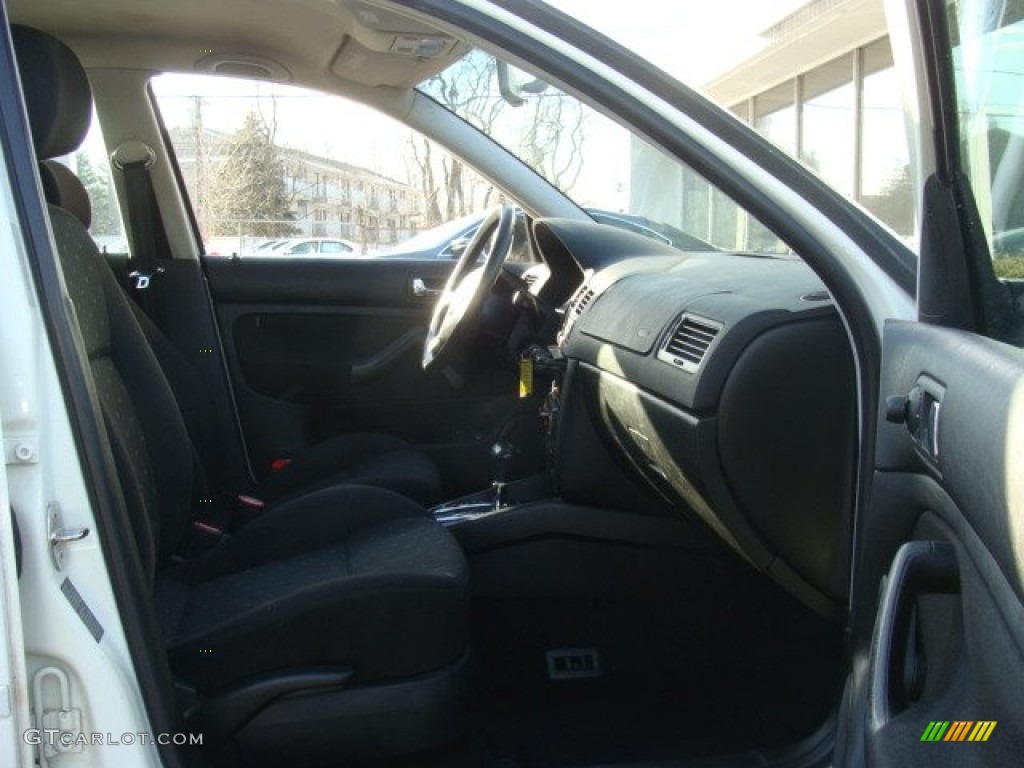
{"x":278,"y":464}
{"x":250,"y":503}
{"x":208,"y":529}
{"x":205,"y":536}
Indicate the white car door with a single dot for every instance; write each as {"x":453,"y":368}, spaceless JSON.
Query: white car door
{"x":938,"y":598}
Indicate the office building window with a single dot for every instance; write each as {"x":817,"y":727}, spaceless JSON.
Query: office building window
{"x":775,"y":116}
{"x":857,"y":145}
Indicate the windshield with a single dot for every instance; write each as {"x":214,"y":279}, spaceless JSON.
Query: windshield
{"x":443,"y":234}
{"x":615,"y":176}
{"x":814,"y":77}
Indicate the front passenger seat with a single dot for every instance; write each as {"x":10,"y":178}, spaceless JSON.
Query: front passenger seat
{"x":332,"y":627}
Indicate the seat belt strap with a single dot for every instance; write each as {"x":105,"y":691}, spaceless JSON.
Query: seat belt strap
{"x":150,"y":246}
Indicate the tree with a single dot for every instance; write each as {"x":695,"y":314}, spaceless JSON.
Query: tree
{"x":545,"y":128}
{"x":449,"y":188}
{"x":248,"y":191}
{"x":552,"y":143}
{"x":106,"y":220}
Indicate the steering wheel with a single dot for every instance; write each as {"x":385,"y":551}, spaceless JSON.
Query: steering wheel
{"x":453,"y":323}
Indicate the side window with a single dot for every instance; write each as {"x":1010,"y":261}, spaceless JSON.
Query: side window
{"x":91,"y":164}
{"x":988,"y":38}
{"x":274,"y":171}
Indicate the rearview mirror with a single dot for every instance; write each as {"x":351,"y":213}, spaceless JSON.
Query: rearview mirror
{"x":514,"y":84}
{"x":457,"y":246}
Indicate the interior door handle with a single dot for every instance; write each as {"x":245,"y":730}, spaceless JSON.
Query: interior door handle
{"x":919,"y":568}
{"x":420,"y":289}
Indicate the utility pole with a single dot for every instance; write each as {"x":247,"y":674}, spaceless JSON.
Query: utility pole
{"x":200,"y":204}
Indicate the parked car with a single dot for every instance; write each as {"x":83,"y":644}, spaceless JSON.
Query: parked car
{"x":266,"y":247}
{"x":617,"y":503}
{"x":445,"y":241}
{"x":310,"y":246}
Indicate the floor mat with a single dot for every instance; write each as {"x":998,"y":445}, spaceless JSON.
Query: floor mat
{"x":747,"y":667}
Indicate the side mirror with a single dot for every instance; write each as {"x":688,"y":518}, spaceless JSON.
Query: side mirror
{"x":456,"y":247}
{"x":512,"y":84}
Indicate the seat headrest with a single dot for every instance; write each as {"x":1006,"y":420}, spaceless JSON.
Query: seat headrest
{"x":65,"y":190}
{"x":57,"y":92}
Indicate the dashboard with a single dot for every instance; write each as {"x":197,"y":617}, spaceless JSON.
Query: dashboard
{"x":723,"y":382}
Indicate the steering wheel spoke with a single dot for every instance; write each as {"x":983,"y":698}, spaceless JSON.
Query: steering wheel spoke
{"x":460,"y":304}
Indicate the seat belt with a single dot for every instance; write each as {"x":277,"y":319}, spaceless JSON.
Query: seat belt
{"x":148,"y":238}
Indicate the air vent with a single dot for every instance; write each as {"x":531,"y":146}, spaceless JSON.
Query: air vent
{"x":577,"y":304}
{"x":689,"y":342}
{"x":581,"y":303}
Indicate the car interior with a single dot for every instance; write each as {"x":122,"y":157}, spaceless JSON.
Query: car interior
{"x":593,"y":505}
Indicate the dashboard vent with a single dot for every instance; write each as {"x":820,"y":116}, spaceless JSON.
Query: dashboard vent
{"x":577,"y":304}
{"x":581,"y":303}
{"x":689,"y":342}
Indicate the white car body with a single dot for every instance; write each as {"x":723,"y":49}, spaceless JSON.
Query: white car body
{"x":51,"y":616}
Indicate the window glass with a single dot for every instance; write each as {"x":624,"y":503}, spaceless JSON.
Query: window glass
{"x":828,"y":127}
{"x":333,"y":246}
{"x":775,"y":116}
{"x":271,"y":169}
{"x":988,"y":59}
{"x":861,"y":152}
{"x":885,"y":187}
{"x":91,"y":164}
{"x":616,"y":177}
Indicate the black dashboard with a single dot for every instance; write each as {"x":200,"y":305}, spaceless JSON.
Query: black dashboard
{"x":723,"y":382}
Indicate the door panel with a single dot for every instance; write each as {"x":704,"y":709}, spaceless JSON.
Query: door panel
{"x":317,"y":348}
{"x":948,"y":641}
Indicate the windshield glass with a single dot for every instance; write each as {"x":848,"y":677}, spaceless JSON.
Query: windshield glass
{"x":814,"y":77}
{"x":618,"y":178}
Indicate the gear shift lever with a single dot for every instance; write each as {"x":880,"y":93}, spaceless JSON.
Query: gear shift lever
{"x":501,"y":457}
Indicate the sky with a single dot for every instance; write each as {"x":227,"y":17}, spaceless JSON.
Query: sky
{"x":693,"y":40}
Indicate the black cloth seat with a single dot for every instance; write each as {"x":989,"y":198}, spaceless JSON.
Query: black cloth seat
{"x":363,"y":458}
{"x":373,"y":459}
{"x":381,"y":584}
{"x":356,"y":569}
{"x":348,"y":576}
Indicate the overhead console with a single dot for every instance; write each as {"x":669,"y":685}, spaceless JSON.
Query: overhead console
{"x":725,"y":382}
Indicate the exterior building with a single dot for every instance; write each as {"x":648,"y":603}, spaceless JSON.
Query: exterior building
{"x":335,"y":199}
{"x":326,"y":197}
{"x":823,"y":89}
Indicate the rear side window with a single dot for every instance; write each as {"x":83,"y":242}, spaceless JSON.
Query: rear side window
{"x":91,"y":164}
